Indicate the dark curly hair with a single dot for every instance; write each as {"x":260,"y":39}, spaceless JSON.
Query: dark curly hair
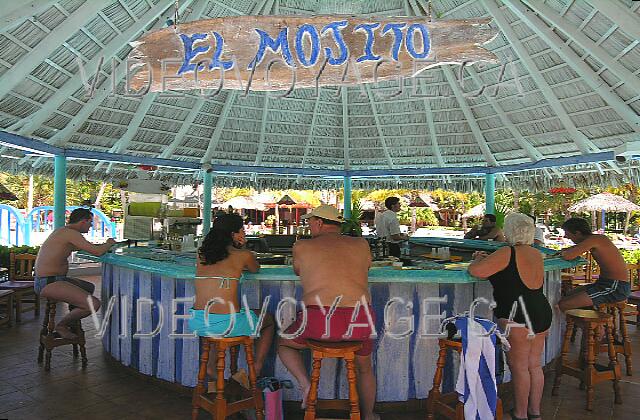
{"x":577,"y":225}
{"x":214,"y":246}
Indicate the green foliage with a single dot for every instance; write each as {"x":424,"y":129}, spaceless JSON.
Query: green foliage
{"x":229,"y":193}
{"x":351,"y":226}
{"x":631,"y":256}
{"x":77,"y":192}
{"x":5,"y":251}
{"x":424,"y":215}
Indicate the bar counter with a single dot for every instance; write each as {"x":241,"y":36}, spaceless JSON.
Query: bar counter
{"x":404,"y":367}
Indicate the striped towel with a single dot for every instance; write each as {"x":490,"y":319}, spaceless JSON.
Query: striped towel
{"x":476,"y":384}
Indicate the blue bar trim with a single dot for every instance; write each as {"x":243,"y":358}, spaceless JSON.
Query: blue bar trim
{"x":25,"y":143}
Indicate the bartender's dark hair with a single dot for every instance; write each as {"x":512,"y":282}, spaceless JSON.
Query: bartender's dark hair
{"x":214,"y":246}
{"x":491,"y":217}
{"x":80,"y":214}
{"x":577,"y":225}
{"x":391,"y":201}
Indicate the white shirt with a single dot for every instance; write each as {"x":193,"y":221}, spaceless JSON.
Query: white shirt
{"x":388,"y":225}
{"x":539,"y":235}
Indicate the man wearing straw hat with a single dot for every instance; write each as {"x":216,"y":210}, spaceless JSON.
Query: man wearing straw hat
{"x":333,"y":271}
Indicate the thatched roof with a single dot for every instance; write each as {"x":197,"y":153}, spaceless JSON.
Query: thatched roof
{"x":577,"y":93}
{"x":604,"y":201}
{"x":244,"y":202}
{"x":476,"y":211}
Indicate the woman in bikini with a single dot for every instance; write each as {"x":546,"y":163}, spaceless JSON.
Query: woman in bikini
{"x":221,"y":260}
{"x":516,"y":273}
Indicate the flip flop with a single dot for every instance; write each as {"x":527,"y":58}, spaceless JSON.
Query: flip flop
{"x":513,"y":416}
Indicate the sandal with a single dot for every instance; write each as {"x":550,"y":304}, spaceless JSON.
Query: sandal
{"x":513,"y":416}
{"x":534,"y":416}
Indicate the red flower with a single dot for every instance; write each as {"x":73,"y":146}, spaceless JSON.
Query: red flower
{"x":148,"y":167}
{"x":562,"y":190}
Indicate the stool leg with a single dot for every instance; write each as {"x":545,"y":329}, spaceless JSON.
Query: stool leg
{"x":613,"y":364}
{"x":51,"y":321}
{"x":43,"y":332}
{"x":233,"y":367}
{"x":10,"y":310}
{"x":257,"y":394}
{"x":561,"y":361}
{"x":626,"y":343}
{"x":18,"y":305}
{"x":434,"y":394}
{"x":50,"y":328}
{"x":75,"y":351}
{"x":353,"y":389}
{"x":83,"y":352}
{"x":202,"y":373}
{"x":312,"y":398}
{"x":221,"y":402}
{"x":574,"y":330}
{"x":590,"y":368}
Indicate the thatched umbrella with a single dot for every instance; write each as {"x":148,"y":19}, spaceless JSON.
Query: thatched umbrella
{"x":476,"y":211}
{"x":5,"y":194}
{"x":284,"y":201}
{"x":244,"y":202}
{"x":414,"y":204}
{"x":606,"y":202}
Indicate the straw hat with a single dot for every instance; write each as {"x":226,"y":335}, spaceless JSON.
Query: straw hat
{"x":326,"y":212}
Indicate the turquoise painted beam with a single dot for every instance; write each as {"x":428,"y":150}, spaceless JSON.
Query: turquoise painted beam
{"x":347,"y":197}
{"x":206,"y":206}
{"x":490,"y":193}
{"x":27,"y":144}
{"x":59,"y":190}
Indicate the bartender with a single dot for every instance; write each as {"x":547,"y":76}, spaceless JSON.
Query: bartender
{"x":388,"y":226}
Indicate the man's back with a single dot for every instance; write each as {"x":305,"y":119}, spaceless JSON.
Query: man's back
{"x":332,"y":265}
{"x":608,"y":257}
{"x":387,"y":224}
{"x":54,"y":252}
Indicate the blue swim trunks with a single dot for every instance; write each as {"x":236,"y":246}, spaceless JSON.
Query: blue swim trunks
{"x":608,"y":291}
{"x":219,"y":323}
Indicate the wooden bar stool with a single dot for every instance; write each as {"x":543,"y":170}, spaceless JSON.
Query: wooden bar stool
{"x":333,"y":350}
{"x":6,"y":299}
{"x":585,"y":367}
{"x":220,"y":407}
{"x":634,"y":301}
{"x":621,"y":342}
{"x":50,"y":340}
{"x":448,"y":405}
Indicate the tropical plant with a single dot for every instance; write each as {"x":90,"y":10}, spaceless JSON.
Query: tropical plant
{"x":351,"y":226}
{"x":424,"y":216}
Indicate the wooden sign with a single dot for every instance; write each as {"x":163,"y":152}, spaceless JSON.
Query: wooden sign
{"x":286,"y":52}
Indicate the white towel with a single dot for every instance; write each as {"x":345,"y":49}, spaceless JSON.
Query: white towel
{"x":476,"y":383}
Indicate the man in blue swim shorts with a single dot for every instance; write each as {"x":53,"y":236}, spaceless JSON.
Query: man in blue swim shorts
{"x":613,"y":283}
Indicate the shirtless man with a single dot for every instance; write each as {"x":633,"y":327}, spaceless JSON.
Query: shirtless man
{"x":52,"y":265}
{"x":487,"y":231}
{"x":331,"y":265}
{"x":613,"y":283}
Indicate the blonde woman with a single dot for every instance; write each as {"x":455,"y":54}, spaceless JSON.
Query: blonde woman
{"x":516,"y":273}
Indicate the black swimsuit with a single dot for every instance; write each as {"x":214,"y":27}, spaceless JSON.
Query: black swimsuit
{"x":508,"y":287}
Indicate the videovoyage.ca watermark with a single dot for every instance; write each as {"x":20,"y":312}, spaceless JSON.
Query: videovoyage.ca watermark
{"x":507,"y":77}
{"x":395,"y":326}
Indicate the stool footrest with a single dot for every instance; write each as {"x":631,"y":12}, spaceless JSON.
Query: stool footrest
{"x":332,"y":405}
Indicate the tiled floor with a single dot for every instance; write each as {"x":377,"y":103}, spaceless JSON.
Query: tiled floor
{"x":108,"y":391}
